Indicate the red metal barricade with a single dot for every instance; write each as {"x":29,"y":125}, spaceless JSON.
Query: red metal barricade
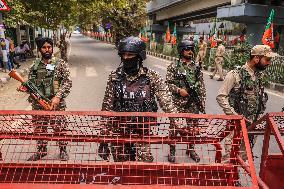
{"x":272,"y":159}
{"x":140,"y":140}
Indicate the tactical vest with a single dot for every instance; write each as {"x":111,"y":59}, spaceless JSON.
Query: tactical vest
{"x":250,"y":99}
{"x":191,"y":75}
{"x":134,"y":96}
{"x":43,"y":77}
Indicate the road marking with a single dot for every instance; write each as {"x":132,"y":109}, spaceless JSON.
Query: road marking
{"x":91,"y":72}
{"x":73,"y":71}
{"x":275,"y":94}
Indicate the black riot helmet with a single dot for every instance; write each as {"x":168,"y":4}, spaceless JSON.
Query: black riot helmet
{"x":134,"y":45}
{"x":186,"y":44}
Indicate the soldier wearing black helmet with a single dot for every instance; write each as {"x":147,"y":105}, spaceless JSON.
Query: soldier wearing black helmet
{"x":180,"y":75}
{"x":133,"y":88}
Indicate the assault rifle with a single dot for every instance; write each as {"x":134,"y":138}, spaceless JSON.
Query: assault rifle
{"x":30,"y":88}
{"x":194,"y":95}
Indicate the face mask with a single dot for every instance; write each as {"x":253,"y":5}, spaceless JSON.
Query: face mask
{"x":131,"y":65}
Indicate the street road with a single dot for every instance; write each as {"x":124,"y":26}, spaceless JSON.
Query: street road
{"x":91,"y":62}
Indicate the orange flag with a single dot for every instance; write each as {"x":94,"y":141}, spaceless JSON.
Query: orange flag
{"x":174,"y":36}
{"x":267,"y":38}
{"x":168,"y":34}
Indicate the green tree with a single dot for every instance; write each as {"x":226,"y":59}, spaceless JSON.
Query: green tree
{"x":126,"y":16}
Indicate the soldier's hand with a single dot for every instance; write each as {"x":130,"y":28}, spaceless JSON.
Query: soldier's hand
{"x":22,"y":89}
{"x":183,"y":92}
{"x":55,"y":102}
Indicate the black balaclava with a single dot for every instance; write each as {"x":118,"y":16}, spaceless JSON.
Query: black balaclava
{"x":131,"y":65}
{"x":41,"y":42}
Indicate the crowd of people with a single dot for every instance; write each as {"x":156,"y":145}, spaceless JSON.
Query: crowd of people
{"x":20,"y":53}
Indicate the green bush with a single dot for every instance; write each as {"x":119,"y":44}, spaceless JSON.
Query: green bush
{"x":159,"y":48}
{"x":167,"y":50}
{"x":174,"y":52}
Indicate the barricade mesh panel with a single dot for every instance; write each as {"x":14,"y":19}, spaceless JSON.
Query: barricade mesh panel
{"x":123,"y":149}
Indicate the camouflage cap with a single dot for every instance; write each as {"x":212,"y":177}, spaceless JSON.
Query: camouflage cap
{"x":263,"y":50}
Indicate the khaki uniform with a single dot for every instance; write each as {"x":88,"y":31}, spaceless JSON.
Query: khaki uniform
{"x":52,"y":81}
{"x":112,"y":101}
{"x":242,"y":93}
{"x":219,"y":60}
{"x":202,"y":52}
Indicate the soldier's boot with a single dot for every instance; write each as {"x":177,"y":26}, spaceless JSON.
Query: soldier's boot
{"x":104,"y":151}
{"x":41,"y":151}
{"x":192,"y":154}
{"x":172,"y":155}
{"x":63,"y":153}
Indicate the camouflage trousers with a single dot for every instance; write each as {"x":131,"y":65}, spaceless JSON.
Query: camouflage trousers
{"x":42,"y":123}
{"x":131,"y":152}
{"x":188,"y":130}
{"x":228,"y":143}
{"x":127,"y":151}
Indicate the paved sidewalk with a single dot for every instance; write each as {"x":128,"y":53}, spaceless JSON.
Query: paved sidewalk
{"x":23,"y":70}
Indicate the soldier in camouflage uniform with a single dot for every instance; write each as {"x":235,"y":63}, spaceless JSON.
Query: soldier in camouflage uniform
{"x":243,"y":92}
{"x":133,"y":88}
{"x":63,"y":46}
{"x":180,"y":74}
{"x":51,"y":76}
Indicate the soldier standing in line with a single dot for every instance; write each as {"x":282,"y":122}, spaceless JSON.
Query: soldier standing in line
{"x":51,"y":76}
{"x":63,"y":46}
{"x":202,"y":45}
{"x":219,"y":60}
{"x":182,"y":76}
{"x":243,"y":92}
{"x":133,"y":88}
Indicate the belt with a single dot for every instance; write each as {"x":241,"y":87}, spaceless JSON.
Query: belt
{"x":219,"y":56}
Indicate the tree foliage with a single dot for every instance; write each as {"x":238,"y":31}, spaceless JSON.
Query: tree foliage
{"x":125,"y":16}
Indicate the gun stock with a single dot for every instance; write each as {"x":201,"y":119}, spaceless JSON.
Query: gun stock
{"x":32,"y":90}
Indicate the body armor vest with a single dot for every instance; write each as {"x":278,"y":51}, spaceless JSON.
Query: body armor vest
{"x":43,"y":76}
{"x":250,"y":99}
{"x":134,"y":96}
{"x":192,"y":76}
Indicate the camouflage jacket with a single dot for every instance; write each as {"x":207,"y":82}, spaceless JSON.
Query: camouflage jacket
{"x":157,"y":87}
{"x":61,"y":75}
{"x":243,"y":93}
{"x":193,"y":76}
